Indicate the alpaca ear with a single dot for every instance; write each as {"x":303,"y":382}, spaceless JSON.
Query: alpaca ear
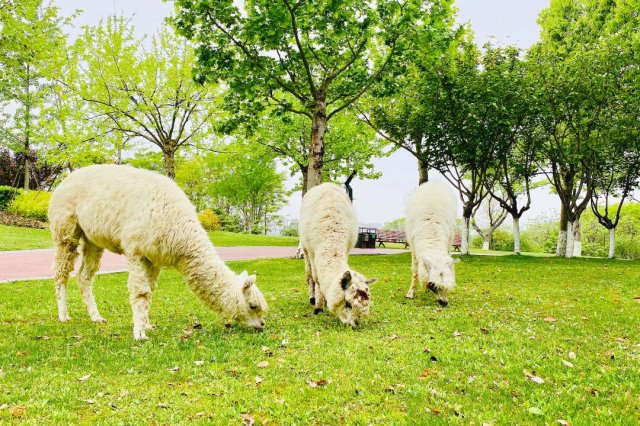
{"x":371,"y":280}
{"x":248,"y":281}
{"x":345,"y":281}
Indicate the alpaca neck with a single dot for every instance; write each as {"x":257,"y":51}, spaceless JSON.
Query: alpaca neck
{"x":331,"y":263}
{"x":214,"y":283}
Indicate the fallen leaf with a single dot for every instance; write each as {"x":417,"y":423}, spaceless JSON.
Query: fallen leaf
{"x":457,"y":334}
{"x":472,"y":379}
{"x":572,"y":355}
{"x":18,"y":410}
{"x":567,"y":364}
{"x":4,"y":406}
{"x":284,"y":342}
{"x":263,"y":364}
{"x":162,"y":405}
{"x":484,"y":331}
{"x":318,"y":383}
{"x":198,"y":363}
{"x":90,"y":401}
{"x":188,"y":331}
{"x":426,"y":350}
{"x":2,"y":373}
{"x":549,"y":319}
{"x":21,"y":353}
{"x":100,"y":394}
{"x":394,"y":337}
{"x":637,"y":299}
{"x":258,"y":380}
{"x":248,"y":419}
{"x":426,"y":373}
{"x":173,"y":370}
{"x":84,"y":378}
{"x":535,"y":411}
{"x":197,"y":325}
{"x":563,"y":422}
{"x":533,"y":378}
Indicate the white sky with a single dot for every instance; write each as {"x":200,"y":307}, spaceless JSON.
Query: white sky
{"x":382,"y":200}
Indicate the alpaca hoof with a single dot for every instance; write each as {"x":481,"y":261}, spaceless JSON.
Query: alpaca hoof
{"x":65,"y":318}
{"x":149,"y":327}
{"x":443,"y":303}
{"x":99,"y":320}
{"x":139,"y":335}
{"x":409,"y":296}
{"x":316,"y":311}
{"x":312,"y":301}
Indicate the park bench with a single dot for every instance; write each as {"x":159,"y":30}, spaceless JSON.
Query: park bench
{"x":457,"y":243}
{"x":391,"y":237}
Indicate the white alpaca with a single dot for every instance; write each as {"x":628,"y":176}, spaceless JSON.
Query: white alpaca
{"x":146,"y":217}
{"x":430,"y":228}
{"x":328,"y":230}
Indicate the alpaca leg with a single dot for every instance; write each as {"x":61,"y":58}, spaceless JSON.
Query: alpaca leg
{"x":308,"y":269}
{"x":320,"y":300}
{"x":414,"y":277}
{"x":152,"y":273}
{"x":63,"y":264}
{"x":91,"y":255}
{"x":139,"y":296}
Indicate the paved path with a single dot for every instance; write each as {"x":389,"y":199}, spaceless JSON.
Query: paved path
{"x":36,"y":264}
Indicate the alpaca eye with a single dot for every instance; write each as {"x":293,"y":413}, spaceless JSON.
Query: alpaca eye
{"x":254,"y":307}
{"x":348,"y":305}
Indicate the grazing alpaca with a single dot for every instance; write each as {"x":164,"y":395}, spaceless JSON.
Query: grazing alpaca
{"x":430,"y":228}
{"x":328,"y":230}
{"x":146,"y":217}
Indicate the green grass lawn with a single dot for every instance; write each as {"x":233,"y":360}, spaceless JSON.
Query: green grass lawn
{"x":17,"y":238}
{"x":412,"y":362}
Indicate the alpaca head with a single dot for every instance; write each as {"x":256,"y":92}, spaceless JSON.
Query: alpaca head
{"x":352,"y":302}
{"x":253,"y":306}
{"x":437,"y":271}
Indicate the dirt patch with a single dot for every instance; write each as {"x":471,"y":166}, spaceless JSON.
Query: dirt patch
{"x":14,"y":220}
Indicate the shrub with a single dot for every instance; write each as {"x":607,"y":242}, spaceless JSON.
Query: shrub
{"x":209,"y":220}
{"x":32,"y":205}
{"x":290,"y":229}
{"x":7,"y":194}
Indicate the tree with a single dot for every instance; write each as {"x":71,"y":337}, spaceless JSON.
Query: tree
{"x":349,"y":145}
{"x":245,"y":179}
{"x":516,"y":149}
{"x":324,"y":54}
{"x":407,"y":109}
{"x":576,"y":92}
{"x":494,"y":217}
{"x":33,"y":44}
{"x":145,"y":93}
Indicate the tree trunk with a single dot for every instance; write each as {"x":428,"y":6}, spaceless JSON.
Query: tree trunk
{"x":464,"y":246}
{"x":612,"y":243}
{"x":486,"y":242}
{"x":569,"y":248}
{"x":305,"y":178}
{"x":26,"y":167}
{"x":27,"y":128}
{"x":516,"y":236}
{"x":577,"y":239}
{"x":316,"y":151}
{"x":423,"y":172}
{"x":561,"y":246}
{"x":169,"y":162}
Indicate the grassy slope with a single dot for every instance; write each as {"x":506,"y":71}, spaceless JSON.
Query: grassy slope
{"x":16,"y":238}
{"x":471,"y":355}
